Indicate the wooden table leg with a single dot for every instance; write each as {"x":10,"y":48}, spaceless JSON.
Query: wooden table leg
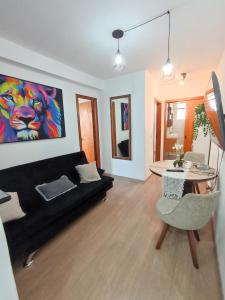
{"x":197,"y":188}
{"x":212,"y":222}
{"x":193,"y":188}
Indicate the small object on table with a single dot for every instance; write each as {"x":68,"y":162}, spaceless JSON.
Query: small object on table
{"x":203,"y":167}
{"x":4,"y":197}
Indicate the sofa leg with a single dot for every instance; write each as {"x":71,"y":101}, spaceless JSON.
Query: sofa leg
{"x":29,"y":260}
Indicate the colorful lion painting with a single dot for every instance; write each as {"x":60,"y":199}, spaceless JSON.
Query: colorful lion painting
{"x":29,"y":111}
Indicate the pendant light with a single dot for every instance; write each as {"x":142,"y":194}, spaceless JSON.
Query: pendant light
{"x":168,"y":69}
{"x":119,"y":64}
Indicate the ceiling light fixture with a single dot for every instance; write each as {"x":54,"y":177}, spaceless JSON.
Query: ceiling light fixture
{"x":184,"y":77}
{"x":168,"y":68}
{"x":119,"y":64}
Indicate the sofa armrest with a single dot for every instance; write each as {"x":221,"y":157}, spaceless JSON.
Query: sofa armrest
{"x":100,"y":171}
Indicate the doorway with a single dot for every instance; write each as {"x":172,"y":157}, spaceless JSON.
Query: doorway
{"x":178,"y":124}
{"x":87,"y":116}
{"x":157,"y":130}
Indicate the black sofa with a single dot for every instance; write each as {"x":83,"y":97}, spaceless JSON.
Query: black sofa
{"x":43,"y":219}
{"x":124,"y":148}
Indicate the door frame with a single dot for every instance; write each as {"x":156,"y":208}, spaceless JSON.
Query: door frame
{"x":94,"y":107}
{"x":174,"y":101}
{"x":157,"y":128}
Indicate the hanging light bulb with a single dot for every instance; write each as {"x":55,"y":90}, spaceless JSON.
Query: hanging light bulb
{"x":168,"y":68}
{"x":118,"y":58}
{"x":181,"y":82}
{"x":119,"y":63}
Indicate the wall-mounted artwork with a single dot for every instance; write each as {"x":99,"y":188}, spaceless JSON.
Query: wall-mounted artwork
{"x":124,"y":116}
{"x":29,"y":111}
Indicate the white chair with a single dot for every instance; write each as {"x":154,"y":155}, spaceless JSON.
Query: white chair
{"x":195,"y":157}
{"x":190,"y":213}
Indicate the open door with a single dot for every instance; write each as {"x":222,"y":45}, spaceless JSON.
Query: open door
{"x":87,"y":115}
{"x":178,"y":124}
{"x":157,"y":130}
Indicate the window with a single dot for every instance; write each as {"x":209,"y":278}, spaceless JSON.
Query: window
{"x":181,"y":111}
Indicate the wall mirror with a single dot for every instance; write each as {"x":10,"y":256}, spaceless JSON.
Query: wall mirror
{"x":120,"y":108}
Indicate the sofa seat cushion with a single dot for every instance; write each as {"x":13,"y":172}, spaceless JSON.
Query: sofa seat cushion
{"x":74,"y":198}
{"x":20,"y":230}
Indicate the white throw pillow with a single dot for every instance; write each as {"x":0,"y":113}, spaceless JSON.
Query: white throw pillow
{"x":88,"y":172}
{"x":11,"y":210}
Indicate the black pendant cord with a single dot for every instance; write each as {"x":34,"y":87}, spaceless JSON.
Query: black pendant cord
{"x":169,"y":36}
{"x":148,"y":21}
{"x":119,"y":33}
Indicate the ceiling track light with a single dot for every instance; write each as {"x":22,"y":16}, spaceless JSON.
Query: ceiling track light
{"x":119,"y":64}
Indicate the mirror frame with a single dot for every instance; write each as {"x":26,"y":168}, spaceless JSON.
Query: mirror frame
{"x":113,"y":129}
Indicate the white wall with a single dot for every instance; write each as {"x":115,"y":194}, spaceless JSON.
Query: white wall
{"x":8,"y":289}
{"x":150,"y":93}
{"x":23,"y":152}
{"x":220,"y":220}
{"x":133,"y":84}
{"x":191,"y":88}
{"x":18,"y":54}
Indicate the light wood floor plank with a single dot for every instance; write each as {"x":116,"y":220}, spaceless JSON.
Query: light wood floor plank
{"x":109,"y":254}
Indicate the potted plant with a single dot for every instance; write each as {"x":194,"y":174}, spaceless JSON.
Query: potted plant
{"x":180,"y":155}
{"x":201,"y":121}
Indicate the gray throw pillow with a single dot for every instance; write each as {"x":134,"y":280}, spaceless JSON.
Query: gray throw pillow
{"x":55,"y":188}
{"x":11,"y":210}
{"x":88,"y":172}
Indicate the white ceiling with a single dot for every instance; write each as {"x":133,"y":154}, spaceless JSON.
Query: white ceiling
{"x":78,"y":33}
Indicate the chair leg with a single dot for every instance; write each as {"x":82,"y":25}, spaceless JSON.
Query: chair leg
{"x":196,"y":234}
{"x":193,"y":188}
{"x":162,"y":236}
{"x":212,"y":222}
{"x":197,"y":188}
{"x":192,"y":249}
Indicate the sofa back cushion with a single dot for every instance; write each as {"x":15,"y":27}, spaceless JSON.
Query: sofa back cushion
{"x":23,"y":178}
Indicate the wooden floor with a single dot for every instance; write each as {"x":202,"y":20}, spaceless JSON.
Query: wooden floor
{"x":109,"y":254}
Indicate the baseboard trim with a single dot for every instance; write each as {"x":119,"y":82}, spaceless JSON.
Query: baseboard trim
{"x":124,"y":177}
{"x":130,"y":178}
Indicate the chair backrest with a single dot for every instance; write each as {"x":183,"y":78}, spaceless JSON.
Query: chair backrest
{"x":194,"y":210}
{"x":195,"y":157}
